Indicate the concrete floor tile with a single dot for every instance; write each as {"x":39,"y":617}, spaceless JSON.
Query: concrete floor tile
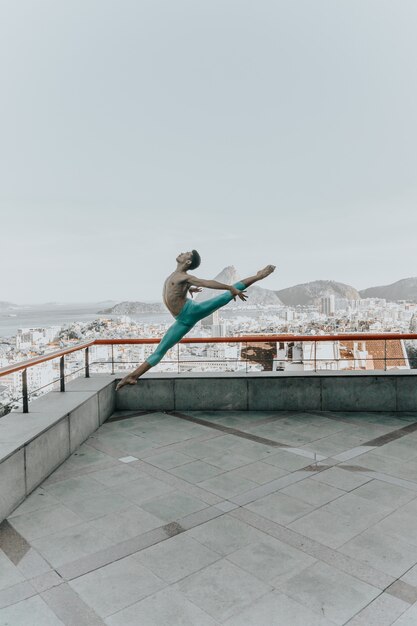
{"x":341,"y":479}
{"x":116,"y":475}
{"x":38,"y":499}
{"x":221,"y":589}
{"x":280,"y":508}
{"x":9,"y":573}
{"x":168,"y":607}
{"x":226,"y":485}
{"x":126,"y":524}
{"x":31,"y":611}
{"x":71,"y":543}
{"x":329,"y":592}
{"x":327,"y":528}
{"x":196,"y":471}
{"x":287,"y":460}
{"x":98,"y":506}
{"x":14,"y":594}
{"x":143,"y":489}
{"x":276,"y":609}
{"x":312,"y":492}
{"x":73,"y":489}
{"x":44,"y":521}
{"x":271,"y":560}
{"x":354,"y":507}
{"x":168,"y":460}
{"x":177,"y":558}
{"x":226,"y":534}
{"x":382,"y":611}
{"x":116,"y":586}
{"x":388,"y":495}
{"x":408,"y":618}
{"x":259,"y":472}
{"x":173,"y":506}
{"x":388,"y":554}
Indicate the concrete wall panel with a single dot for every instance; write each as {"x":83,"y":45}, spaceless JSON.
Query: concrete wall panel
{"x":45,"y":453}
{"x":12,"y":483}
{"x":211,"y":393}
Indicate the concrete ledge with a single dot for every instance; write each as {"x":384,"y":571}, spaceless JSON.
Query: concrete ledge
{"x":275,"y":391}
{"x":34,"y":444}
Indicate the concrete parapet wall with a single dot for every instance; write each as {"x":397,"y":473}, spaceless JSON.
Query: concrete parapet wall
{"x":312,"y":391}
{"x":34,"y":444}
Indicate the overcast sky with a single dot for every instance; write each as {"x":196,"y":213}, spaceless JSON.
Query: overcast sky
{"x":258,"y":132}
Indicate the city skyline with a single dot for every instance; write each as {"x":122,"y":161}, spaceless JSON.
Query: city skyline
{"x":279,"y":133}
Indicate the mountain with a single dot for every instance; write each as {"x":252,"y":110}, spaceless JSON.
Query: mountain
{"x":135,"y":308}
{"x":256,"y":295}
{"x":405,"y":289}
{"x":5,"y":307}
{"x":310,"y":293}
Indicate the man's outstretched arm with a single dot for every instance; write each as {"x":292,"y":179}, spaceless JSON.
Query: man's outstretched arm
{"x":210,"y":284}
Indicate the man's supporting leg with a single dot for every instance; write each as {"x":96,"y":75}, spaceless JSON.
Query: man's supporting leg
{"x":173,"y":335}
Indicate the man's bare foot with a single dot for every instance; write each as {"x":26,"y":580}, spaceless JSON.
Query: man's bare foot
{"x":266,"y":271}
{"x":127,"y":380}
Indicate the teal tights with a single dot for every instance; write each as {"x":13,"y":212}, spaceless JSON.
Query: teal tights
{"x":191,"y":313}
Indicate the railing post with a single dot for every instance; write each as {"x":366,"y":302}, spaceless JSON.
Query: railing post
{"x":112,"y":359}
{"x":178,"y":358}
{"x":315,"y":356}
{"x":385,"y":354}
{"x":87,"y":363}
{"x":25,"y":391}
{"x":62,"y":372}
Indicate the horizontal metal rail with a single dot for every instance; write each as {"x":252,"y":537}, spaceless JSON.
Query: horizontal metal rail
{"x":23,"y":366}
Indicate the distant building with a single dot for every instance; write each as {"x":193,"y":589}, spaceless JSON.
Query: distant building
{"x":328,"y":305}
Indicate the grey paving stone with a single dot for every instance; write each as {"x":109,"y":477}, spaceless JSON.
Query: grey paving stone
{"x":383,"y":611}
{"x":227,"y":485}
{"x":33,"y":564}
{"x":44,"y":521}
{"x":226,"y":460}
{"x":271,"y":560}
{"x":410,"y":577}
{"x":196,"y":472}
{"x":276,"y":609}
{"x":222,"y":589}
{"x":9,"y":573}
{"x":280,"y":508}
{"x":327,"y":528}
{"x":143,"y":489}
{"x":354,"y":507}
{"x":177,"y":557}
{"x":14,"y":594}
{"x":38,"y":499}
{"x":117,"y":475}
{"x":69,"y":607}
{"x":329,"y":592}
{"x":287,"y":460}
{"x":74,"y":489}
{"x":71,"y":543}
{"x":226,"y":534}
{"x":400,"y":525}
{"x":259,"y":472}
{"x":408,"y":618}
{"x":165,"y":608}
{"x":314,"y":493}
{"x":403,"y":591}
{"x":173,"y":506}
{"x":341,"y":479}
{"x":125,"y":524}
{"x":46,"y":581}
{"x":103,"y":504}
{"x":115,"y":586}
{"x":31,"y":611}
{"x":389,"y":554}
{"x":168,"y":460}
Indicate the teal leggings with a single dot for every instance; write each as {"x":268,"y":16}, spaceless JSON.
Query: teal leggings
{"x":191,"y":313}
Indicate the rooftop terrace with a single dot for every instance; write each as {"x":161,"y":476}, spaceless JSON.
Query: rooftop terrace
{"x":221,"y":517}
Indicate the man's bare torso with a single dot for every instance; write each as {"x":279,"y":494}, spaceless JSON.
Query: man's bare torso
{"x":175,"y":292}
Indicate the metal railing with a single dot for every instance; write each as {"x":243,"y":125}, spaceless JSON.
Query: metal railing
{"x":23,"y":366}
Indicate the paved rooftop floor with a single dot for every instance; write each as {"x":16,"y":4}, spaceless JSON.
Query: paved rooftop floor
{"x":237,"y":518}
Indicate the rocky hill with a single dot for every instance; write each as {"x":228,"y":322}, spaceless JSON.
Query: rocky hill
{"x":405,"y":289}
{"x":256,"y":294}
{"x":5,"y":307}
{"x":310,"y":293}
{"x":135,"y":308}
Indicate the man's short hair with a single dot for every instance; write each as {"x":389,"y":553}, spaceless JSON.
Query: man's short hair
{"x":195,"y":260}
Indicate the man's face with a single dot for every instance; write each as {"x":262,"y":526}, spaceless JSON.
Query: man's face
{"x":184,"y":256}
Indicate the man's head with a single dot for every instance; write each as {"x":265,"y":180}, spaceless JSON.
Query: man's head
{"x":190,"y":260}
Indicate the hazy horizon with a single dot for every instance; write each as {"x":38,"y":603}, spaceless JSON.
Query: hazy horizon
{"x":276,"y":132}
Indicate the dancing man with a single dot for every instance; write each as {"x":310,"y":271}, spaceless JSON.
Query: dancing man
{"x":187,"y":312}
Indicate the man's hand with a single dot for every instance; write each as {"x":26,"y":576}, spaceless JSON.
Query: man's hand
{"x":194,"y":290}
{"x":127,"y":380}
{"x":235,"y":292}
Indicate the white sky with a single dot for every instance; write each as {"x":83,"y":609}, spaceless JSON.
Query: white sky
{"x":273,"y":131}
